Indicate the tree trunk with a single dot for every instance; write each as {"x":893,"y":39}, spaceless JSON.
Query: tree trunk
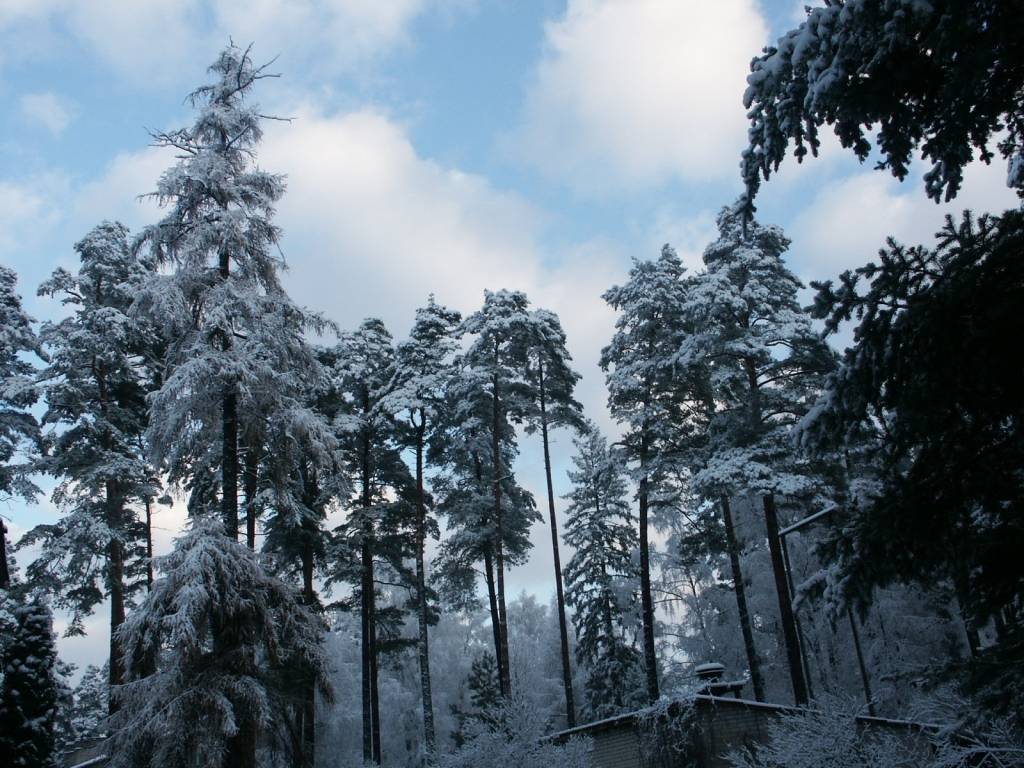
{"x":741,"y":601}
{"x":499,"y":546}
{"x":116,"y":585}
{"x":308,"y":714}
{"x":366,"y":588}
{"x":115,"y":547}
{"x":570,"y":705}
{"x":492,"y":595}
{"x":149,"y":544}
{"x":5,"y":574}
{"x":646,"y":602}
{"x":251,"y":480}
{"x":429,"y":738}
{"x":869,"y":699}
{"x":789,"y":632}
{"x":374,"y":681}
{"x":371,"y":710}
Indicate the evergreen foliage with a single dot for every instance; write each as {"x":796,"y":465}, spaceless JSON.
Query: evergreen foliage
{"x":30,"y":690}
{"x":18,"y":428}
{"x":926,"y":392}
{"x":904,"y":67}
{"x":645,"y":397}
{"x":101,"y":366}
{"x":221,"y":634}
{"x":601,"y":577}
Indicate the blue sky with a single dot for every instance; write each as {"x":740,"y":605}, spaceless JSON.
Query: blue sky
{"x":442,"y":146}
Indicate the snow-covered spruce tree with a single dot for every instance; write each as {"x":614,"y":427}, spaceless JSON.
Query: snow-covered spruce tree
{"x":552,"y":381}
{"x":90,"y":704}
{"x":292,"y":480}
{"x":767,"y":366}
{"x":417,"y":393}
{"x":484,"y":692}
{"x":644,"y":396}
{"x":601,"y":577}
{"x":222,"y":632}
{"x":18,"y":427}
{"x":231,"y":360}
{"x":379,"y":529}
{"x":941,"y":76}
{"x":101,"y":366}
{"x":30,"y":689}
{"x":502,"y":335}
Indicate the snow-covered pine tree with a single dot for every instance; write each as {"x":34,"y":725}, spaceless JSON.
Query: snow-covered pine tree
{"x":552,"y":381}
{"x":601,"y":577}
{"x":501,"y":328}
{"x":30,"y":688}
{"x":221,"y":632}
{"x":417,"y":393}
{"x":99,"y":372}
{"x":232,"y":359}
{"x":380,"y":525}
{"x":644,"y":396}
{"x":466,"y":495}
{"x":951,"y":72}
{"x":767,"y":365}
{"x":18,"y":427}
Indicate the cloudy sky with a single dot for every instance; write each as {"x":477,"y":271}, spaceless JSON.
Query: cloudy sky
{"x":441,"y":146}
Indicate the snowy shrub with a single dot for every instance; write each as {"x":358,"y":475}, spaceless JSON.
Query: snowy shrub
{"x":831,"y":737}
{"x":515,"y":737}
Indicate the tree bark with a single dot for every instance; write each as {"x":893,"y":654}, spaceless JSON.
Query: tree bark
{"x":149,"y":544}
{"x":250,"y":481}
{"x":789,"y":632}
{"x":492,"y":596}
{"x":741,"y":601}
{"x":371,"y":709}
{"x":5,"y":574}
{"x":116,"y":584}
{"x":115,"y":547}
{"x":429,"y":738}
{"x":646,"y":602}
{"x":570,"y":705}
{"x":308,"y":714}
{"x":366,"y":588}
{"x":499,"y":547}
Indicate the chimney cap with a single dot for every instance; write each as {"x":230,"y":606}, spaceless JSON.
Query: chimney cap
{"x":711,"y":670}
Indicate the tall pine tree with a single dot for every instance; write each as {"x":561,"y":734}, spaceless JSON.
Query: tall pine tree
{"x":417,"y":393}
{"x":552,"y":381}
{"x":99,"y":373}
{"x":766,"y":366}
{"x":644,"y":396}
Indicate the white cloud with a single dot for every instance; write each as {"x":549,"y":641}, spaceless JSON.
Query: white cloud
{"x":152,"y":40}
{"x":640,"y":91}
{"x":48,"y":110}
{"x":848,"y":220}
{"x":116,"y":194}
